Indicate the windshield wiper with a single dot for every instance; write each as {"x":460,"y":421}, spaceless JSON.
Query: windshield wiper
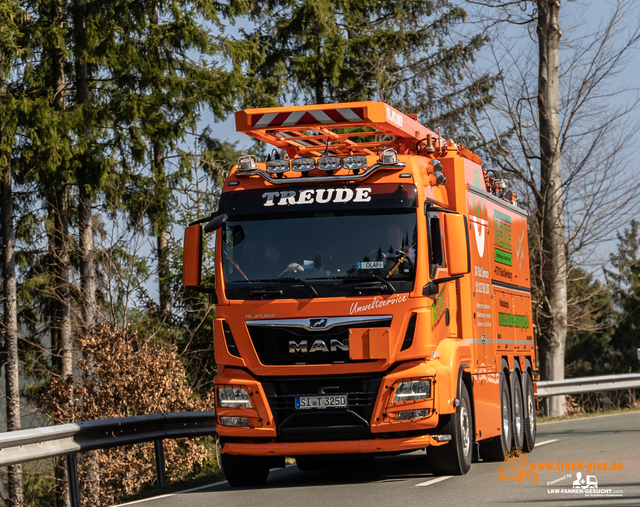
{"x":306,"y":285}
{"x":373,"y":279}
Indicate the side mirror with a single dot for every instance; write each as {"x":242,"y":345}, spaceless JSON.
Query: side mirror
{"x":457,"y":243}
{"x":216,"y":223}
{"x":192,"y":256}
{"x":431,"y":289}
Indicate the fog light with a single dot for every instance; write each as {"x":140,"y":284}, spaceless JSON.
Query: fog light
{"x":233,"y":397}
{"x":413,"y":390}
{"x":412,"y":414}
{"x":241,"y":422}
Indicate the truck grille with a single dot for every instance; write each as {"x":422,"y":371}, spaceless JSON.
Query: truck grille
{"x":322,"y":424}
{"x":272,"y":339}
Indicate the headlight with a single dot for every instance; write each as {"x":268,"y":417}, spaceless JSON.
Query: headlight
{"x":413,"y":390}
{"x":233,"y":397}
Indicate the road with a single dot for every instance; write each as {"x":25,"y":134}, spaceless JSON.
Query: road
{"x":404,"y":481}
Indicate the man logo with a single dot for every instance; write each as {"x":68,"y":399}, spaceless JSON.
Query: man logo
{"x":318,"y":346}
{"x":316,"y":323}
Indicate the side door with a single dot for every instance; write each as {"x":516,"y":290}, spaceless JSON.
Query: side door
{"x":444,"y":309}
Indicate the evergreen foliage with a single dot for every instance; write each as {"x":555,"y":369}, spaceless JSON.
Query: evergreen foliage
{"x":404,"y":53}
{"x":626,"y":295}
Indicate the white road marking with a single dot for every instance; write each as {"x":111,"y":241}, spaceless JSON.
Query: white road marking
{"x":546,"y":442}
{"x":433,"y":481}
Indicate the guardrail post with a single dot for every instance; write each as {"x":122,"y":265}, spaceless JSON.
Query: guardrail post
{"x":72,"y":480}
{"x":160,"y":469}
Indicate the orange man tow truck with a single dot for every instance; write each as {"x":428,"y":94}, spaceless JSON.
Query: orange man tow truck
{"x":373,"y":296}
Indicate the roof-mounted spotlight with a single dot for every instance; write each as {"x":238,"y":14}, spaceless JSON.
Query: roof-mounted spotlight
{"x":278,"y":166}
{"x":354,"y":163}
{"x":329,"y":163}
{"x":303,"y":165}
{"x":247,"y":164}
{"x":389,"y":157}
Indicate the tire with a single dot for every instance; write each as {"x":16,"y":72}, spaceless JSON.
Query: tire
{"x":244,"y":470}
{"x":518,"y":412}
{"x":454,"y":457}
{"x":498,"y":447}
{"x":530,"y":426}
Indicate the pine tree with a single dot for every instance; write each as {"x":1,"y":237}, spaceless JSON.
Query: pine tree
{"x":10,"y":12}
{"x":398,"y":52}
{"x":626,"y":282}
{"x":159,"y":92}
{"x":589,"y":348}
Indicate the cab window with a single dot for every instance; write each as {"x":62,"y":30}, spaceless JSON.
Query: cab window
{"x":436,"y":252}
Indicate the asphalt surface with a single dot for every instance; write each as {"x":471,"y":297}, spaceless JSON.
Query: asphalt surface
{"x":405,"y":480}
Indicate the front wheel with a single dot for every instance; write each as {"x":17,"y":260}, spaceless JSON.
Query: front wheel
{"x":454,"y":458}
{"x":244,"y":470}
{"x":529,"y":414}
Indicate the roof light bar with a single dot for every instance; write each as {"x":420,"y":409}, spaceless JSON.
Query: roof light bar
{"x":329,"y":163}
{"x":354,"y":162}
{"x":278,"y":166}
{"x":303,"y":165}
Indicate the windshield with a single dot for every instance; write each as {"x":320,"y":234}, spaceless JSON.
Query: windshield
{"x":320,"y":255}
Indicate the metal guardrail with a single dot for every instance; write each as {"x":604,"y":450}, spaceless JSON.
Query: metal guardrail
{"x":69,"y":439}
{"x":582,"y":385}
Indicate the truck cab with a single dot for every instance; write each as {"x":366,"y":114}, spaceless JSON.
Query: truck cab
{"x":372,"y":293}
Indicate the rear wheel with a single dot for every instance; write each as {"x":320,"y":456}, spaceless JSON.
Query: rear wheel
{"x":454,"y":458}
{"x":529,"y":414}
{"x":518,"y":412}
{"x":245,"y":470}
{"x":498,"y":447}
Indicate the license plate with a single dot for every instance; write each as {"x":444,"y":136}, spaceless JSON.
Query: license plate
{"x":336,"y":401}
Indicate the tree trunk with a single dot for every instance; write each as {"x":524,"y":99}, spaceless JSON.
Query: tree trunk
{"x":161,"y":218}
{"x":554,"y":332}
{"x":91,"y":460}
{"x":319,"y":82}
{"x":11,"y":367}
{"x":59,"y":252}
{"x":162,"y":234}
{"x":61,"y":319}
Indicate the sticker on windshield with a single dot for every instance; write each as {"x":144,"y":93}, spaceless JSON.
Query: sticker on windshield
{"x":371,"y":265}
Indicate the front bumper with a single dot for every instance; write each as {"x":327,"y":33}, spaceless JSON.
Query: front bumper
{"x":377,"y":445}
{"x":368,"y":425}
